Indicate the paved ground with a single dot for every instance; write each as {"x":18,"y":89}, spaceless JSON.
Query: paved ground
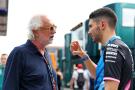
{"x":66,"y":89}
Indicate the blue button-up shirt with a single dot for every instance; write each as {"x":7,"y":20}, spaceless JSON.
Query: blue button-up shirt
{"x":26,"y":69}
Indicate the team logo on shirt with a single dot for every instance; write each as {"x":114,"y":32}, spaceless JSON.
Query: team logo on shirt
{"x":111,"y":53}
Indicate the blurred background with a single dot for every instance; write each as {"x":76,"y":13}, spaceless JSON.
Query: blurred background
{"x":71,"y":18}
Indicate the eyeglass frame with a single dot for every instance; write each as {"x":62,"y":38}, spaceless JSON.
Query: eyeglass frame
{"x":49,"y":28}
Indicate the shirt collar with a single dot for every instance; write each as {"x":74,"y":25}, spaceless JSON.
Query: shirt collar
{"x":110,"y":40}
{"x":32,"y":47}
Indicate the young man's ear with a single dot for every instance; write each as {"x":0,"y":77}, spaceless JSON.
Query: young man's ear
{"x":102,"y":25}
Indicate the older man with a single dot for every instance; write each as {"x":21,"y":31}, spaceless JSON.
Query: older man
{"x":29,"y":66}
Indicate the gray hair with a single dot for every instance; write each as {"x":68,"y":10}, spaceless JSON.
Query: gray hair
{"x":34,"y":24}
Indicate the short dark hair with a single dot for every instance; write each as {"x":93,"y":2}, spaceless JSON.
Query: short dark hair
{"x":104,"y":12}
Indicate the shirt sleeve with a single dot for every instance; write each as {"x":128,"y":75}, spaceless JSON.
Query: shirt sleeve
{"x":113,"y":63}
{"x":13,"y":71}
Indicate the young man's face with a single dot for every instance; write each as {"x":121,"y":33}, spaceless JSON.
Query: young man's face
{"x":94,"y":31}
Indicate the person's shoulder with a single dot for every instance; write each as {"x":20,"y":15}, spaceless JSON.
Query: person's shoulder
{"x":75,"y":71}
{"x":122,"y":46}
{"x":118,"y":44}
{"x":19,"y":49}
{"x":86,"y":71}
{"x":119,"y":47}
{"x":75,"y":74}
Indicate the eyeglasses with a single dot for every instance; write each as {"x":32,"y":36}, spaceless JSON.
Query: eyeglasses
{"x":51,"y":28}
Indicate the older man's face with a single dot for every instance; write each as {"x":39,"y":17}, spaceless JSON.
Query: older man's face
{"x":46,"y":32}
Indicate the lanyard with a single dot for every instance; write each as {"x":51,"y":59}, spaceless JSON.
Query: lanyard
{"x":50,"y":71}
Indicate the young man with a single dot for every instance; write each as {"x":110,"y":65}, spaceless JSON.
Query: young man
{"x":29,"y":66}
{"x":115,"y":66}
